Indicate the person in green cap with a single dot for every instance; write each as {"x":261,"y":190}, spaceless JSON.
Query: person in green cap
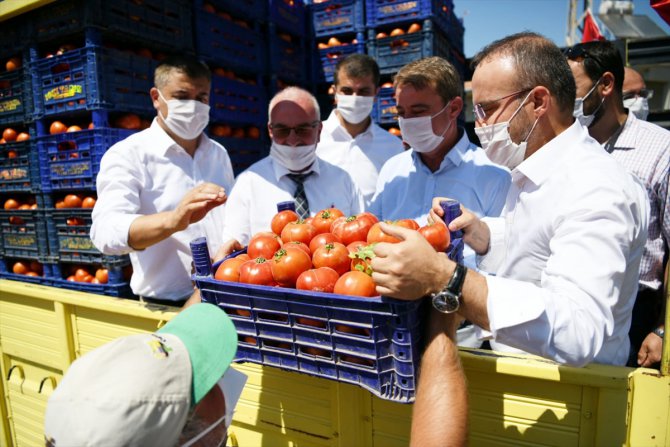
{"x":170,"y":387}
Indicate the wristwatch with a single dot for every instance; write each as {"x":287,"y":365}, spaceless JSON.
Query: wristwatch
{"x":448,"y":300}
{"x":659,"y":331}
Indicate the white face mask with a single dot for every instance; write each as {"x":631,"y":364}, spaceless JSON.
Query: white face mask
{"x":418,"y":132}
{"x":187,"y":118}
{"x":293,"y":158}
{"x":578,"y":112}
{"x":637,"y":106}
{"x":498,"y":144}
{"x":354,"y":108}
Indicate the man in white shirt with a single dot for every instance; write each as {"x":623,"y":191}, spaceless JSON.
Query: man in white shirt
{"x":442,"y":162}
{"x":349,"y":138}
{"x":160,"y":188}
{"x":567,"y":248}
{"x":291,"y":169}
{"x":644,"y":149}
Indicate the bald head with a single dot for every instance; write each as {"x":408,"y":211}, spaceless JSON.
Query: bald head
{"x":632,"y":81}
{"x":299,"y":97}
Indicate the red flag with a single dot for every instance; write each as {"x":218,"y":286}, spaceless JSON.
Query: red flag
{"x":662,"y":8}
{"x":591,"y":31}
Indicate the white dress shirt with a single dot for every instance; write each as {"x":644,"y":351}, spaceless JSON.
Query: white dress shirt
{"x":148,"y":173}
{"x":644,"y":149}
{"x":406,"y":187}
{"x":362,"y":157}
{"x":253,"y":200}
{"x":568,"y":251}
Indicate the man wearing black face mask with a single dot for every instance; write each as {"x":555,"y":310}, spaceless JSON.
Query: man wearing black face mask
{"x":566,"y":250}
{"x":644,"y":149}
{"x":160,"y":188}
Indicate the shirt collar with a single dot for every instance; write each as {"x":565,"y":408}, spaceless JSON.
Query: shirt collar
{"x":280,"y":171}
{"x":161,"y":142}
{"x":453,"y":157}
{"x":626,"y":140}
{"x":333,"y":126}
{"x":546,"y":160}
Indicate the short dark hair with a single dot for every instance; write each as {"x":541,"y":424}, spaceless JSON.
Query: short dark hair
{"x":598,"y":57}
{"x":357,"y":66}
{"x":538,"y":61}
{"x":189,"y":65}
{"x":435,"y":72}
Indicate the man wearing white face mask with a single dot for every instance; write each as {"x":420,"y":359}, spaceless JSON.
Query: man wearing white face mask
{"x":160,"y":188}
{"x":349,"y":138}
{"x":292,"y":167}
{"x":644,"y":149}
{"x":442,"y":160}
{"x":636,"y":95}
{"x":566,"y":250}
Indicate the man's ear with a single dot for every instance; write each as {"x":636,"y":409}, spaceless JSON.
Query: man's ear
{"x":455,"y":107}
{"x":541,"y":98}
{"x":607,"y":84}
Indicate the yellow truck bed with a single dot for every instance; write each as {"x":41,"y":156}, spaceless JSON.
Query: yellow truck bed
{"x":515,"y":400}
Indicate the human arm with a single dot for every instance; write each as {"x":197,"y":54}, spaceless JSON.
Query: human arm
{"x":227,"y":248}
{"x":476,"y":233}
{"x":412,"y":269}
{"x":651,"y":350}
{"x":440,"y":413}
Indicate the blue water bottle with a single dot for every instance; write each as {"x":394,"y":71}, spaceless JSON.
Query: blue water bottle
{"x":201,"y":259}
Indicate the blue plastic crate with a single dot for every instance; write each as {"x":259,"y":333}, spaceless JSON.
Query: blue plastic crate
{"x":244,"y":152}
{"x":335,"y":17}
{"x":24,"y":232}
{"x":324,"y":65}
{"x":234,"y":101}
{"x":17,"y":34}
{"x":288,"y":15}
{"x":20,"y":167}
{"x":392,"y":53}
{"x":393,"y":12}
{"x":46,"y":279}
{"x":256,"y":10}
{"x":72,"y":160}
{"x":165,"y":23}
{"x":90,"y":78}
{"x":384,"y":111}
{"x":288,"y":56}
{"x":226,"y":43}
{"x":116,"y":286}
{"x":16,"y":101}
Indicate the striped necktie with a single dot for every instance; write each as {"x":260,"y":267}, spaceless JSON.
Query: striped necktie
{"x":301,"y":203}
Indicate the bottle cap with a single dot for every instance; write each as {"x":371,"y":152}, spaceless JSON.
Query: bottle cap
{"x":288,"y":205}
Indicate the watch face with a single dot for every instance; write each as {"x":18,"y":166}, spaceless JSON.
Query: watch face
{"x":445,"y":302}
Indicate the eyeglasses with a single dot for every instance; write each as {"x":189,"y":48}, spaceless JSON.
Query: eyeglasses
{"x":642,"y":93}
{"x":301,"y":131}
{"x":479,"y":109}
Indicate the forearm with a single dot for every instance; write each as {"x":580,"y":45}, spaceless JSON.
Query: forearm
{"x":148,"y":230}
{"x":474,"y":300}
{"x":441,"y":409}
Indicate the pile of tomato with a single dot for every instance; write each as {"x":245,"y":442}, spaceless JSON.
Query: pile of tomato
{"x":327,"y":253}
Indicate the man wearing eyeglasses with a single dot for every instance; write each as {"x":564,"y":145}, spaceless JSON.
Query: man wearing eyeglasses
{"x":644,"y":149}
{"x":636,"y":95}
{"x":567,"y":248}
{"x":349,"y":138}
{"x":292,"y":171}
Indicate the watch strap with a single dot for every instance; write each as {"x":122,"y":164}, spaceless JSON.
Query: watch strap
{"x":455,"y":285}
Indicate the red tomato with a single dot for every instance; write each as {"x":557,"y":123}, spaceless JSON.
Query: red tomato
{"x":377,"y":235}
{"x":322,"y":239}
{"x":353,"y":247}
{"x":229,"y":270}
{"x":257,"y":271}
{"x":287,"y":264}
{"x":300,"y":245}
{"x":353,"y":228}
{"x":264,"y":245}
{"x":335,"y":256}
{"x":280,"y":220}
{"x":356,"y":284}
{"x":360,"y":259}
{"x":243,"y":256}
{"x":437,"y":235}
{"x":321,"y":279}
{"x":325,"y":218}
{"x":408,"y":223}
{"x":298,"y":231}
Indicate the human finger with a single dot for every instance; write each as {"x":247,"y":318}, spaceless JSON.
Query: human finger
{"x":437,"y":207}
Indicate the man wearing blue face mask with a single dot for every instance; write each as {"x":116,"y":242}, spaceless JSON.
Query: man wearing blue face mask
{"x":442,"y":160}
{"x":164,"y":186}
{"x":349,"y":138}
{"x":566,"y":250}
{"x":644,"y":149}
{"x":292,"y":171}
